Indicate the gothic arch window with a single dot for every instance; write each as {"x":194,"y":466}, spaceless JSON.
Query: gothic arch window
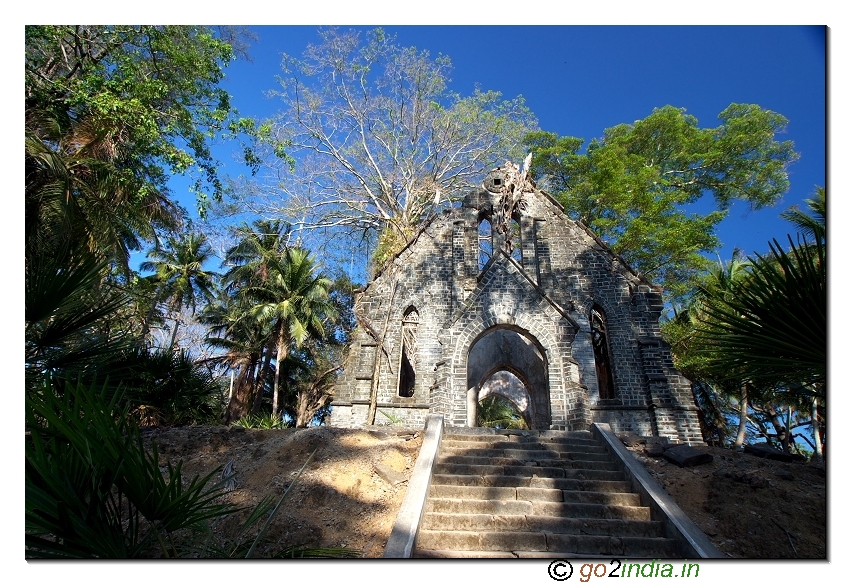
{"x":516,"y":241}
{"x":407,"y":368}
{"x":601,"y":353}
{"x":485,"y":243}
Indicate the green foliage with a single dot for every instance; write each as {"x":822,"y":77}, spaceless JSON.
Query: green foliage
{"x":263,"y":421}
{"x":631,"y":186}
{"x":149,"y":92}
{"x":393,"y":419}
{"x":753,"y":339}
{"x":280,"y":305}
{"x":180,"y":277}
{"x":167,"y":388}
{"x":498,"y":413}
{"x":773,"y":325}
{"x":390,"y":242}
{"x":810,"y":226}
{"x":94,"y":491}
{"x":63,"y":333}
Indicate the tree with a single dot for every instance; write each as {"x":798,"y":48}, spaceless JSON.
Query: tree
{"x":180,"y":275}
{"x":65,"y":311}
{"x":242,"y":341}
{"x":630,"y":187}
{"x":253,"y":259}
{"x":274,"y":300}
{"x":759,"y":334}
{"x":149,"y":93}
{"x":774,"y":325}
{"x":378,"y":140}
{"x":294,"y":299}
{"x":499,"y":413}
{"x":718,"y":398}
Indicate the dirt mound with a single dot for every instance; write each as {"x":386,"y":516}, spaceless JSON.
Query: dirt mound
{"x":749,"y":507}
{"x":339,"y":501}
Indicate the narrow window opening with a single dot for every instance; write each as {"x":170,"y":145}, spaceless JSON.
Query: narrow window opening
{"x":599,"y":334}
{"x":485,"y":243}
{"x":407,"y":368}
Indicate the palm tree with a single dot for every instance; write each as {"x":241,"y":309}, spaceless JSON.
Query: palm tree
{"x":496,"y":412}
{"x":810,"y":225}
{"x":180,"y":275}
{"x":772,"y":325}
{"x":242,"y":340}
{"x":295,"y":300}
{"x":766,"y":330}
{"x":78,"y":196}
{"x":258,"y":249}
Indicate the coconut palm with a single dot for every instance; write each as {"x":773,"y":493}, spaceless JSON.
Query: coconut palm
{"x":180,"y":275}
{"x":260,"y":245}
{"x":295,"y":300}
{"x":765,"y":329}
{"x":496,"y":412}
{"x":241,"y":341}
{"x":258,"y":249}
{"x":813,"y":226}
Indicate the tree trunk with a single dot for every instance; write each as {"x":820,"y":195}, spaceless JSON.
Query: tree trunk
{"x":282,"y":353}
{"x":313,"y":398}
{"x":176,"y":313}
{"x":240,"y":402}
{"x":817,"y":455}
{"x":260,"y":386}
{"x":146,"y":324}
{"x":742,"y":422}
{"x":376,"y":369}
{"x":786,"y":438}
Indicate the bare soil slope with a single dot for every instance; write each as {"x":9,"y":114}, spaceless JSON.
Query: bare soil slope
{"x":750,"y":507}
{"x":339,"y":501}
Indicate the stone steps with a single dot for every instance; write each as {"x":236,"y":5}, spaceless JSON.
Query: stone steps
{"x":533,"y":494}
{"x":552,"y":524}
{"x":605,"y":546}
{"x":529,"y":481}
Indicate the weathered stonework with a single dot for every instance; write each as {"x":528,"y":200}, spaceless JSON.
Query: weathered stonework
{"x":529,"y":313}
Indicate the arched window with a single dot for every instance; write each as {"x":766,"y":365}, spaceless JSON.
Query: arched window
{"x":599,"y":335}
{"x":407,"y":368}
{"x":516,"y":241}
{"x":485,"y":243}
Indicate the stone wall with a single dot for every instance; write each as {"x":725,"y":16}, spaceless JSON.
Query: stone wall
{"x":543,"y":297}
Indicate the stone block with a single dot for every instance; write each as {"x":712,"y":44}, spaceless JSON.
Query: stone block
{"x":686,"y":456}
{"x":389,"y":475}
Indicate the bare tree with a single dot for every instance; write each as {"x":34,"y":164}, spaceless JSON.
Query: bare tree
{"x":371,"y":140}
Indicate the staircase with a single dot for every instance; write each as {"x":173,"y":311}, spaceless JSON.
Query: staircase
{"x":535,"y":494}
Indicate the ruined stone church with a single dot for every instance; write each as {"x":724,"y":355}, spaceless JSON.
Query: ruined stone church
{"x":506,"y":295}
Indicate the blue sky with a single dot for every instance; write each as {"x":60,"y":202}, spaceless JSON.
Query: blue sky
{"x":579,"y":80}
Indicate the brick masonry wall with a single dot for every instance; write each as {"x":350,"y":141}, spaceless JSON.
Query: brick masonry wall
{"x":546,"y":297}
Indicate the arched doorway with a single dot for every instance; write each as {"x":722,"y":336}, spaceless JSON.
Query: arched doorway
{"x":516,"y":351}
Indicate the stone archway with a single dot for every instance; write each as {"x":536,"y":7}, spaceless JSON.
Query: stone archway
{"x":501,"y":348}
